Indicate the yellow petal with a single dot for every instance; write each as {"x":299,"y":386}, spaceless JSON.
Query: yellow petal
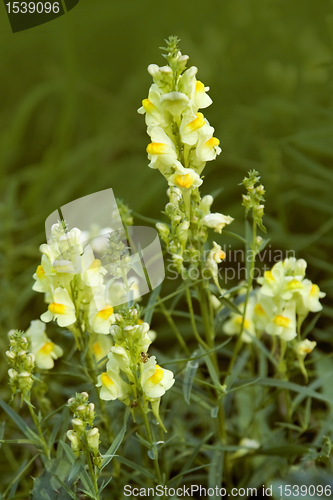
{"x":212,"y":143}
{"x":47,"y":348}
{"x":157,"y":377}
{"x":95,"y":265}
{"x":199,"y":87}
{"x":105,"y":313}
{"x":197,"y":123}
{"x":258,"y":309}
{"x":148,"y":106}
{"x":184,"y":181}
{"x":282,"y":321}
{"x":106,"y":380}
{"x":57,"y":308}
{"x":156,"y":148}
{"x":40,"y":272}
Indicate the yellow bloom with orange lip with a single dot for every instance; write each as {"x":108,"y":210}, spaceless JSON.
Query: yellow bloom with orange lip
{"x":162,"y":151}
{"x":155,"y":381}
{"x":304,"y":347}
{"x":112,"y":385}
{"x":101,"y":346}
{"x":201,"y":99}
{"x":152,"y":109}
{"x":283,"y":323}
{"x":309,"y":298}
{"x":191,"y":127}
{"x":61,"y":309}
{"x":208,"y":146}
{"x":101,"y":315}
{"x":44,"y":276}
{"x":185,"y":178}
{"x":233,"y":325}
{"x":92,"y":269}
{"x":44,"y":350}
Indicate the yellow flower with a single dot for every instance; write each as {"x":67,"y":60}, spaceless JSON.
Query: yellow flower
{"x":155,"y":381}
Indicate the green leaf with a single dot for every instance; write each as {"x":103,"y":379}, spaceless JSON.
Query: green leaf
{"x":215,"y":473}
{"x":151,"y":304}
{"x":116,"y":443}
{"x":190,"y":372}
{"x":291,"y":386}
{"x":11,"y":488}
{"x":136,"y":467}
{"x":21,"y":424}
{"x":2,"y":431}
{"x":66,"y":488}
{"x":212,"y":372}
{"x":230,"y":305}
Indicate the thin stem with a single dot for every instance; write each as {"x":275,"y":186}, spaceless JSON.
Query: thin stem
{"x":92,"y":470}
{"x":249,"y":286}
{"x":40,"y":432}
{"x":150,"y":439}
{"x":194,"y":326}
{"x":174,"y":328}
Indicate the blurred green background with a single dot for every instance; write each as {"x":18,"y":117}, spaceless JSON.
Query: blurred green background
{"x":69,"y":92}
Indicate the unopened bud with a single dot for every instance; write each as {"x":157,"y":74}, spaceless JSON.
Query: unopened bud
{"x":75,"y":442}
{"x":85,"y":396}
{"x":10,"y":355}
{"x":93,"y":440}
{"x":78,"y":425}
{"x":260,"y":211}
{"x":163,"y":230}
{"x":13,"y":375}
{"x":81,"y":411}
{"x":29,"y":362}
{"x":25,"y":381}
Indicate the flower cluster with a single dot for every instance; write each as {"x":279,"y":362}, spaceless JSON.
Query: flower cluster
{"x":182,"y":143}
{"x":22,"y":363}
{"x":130,"y":373}
{"x":77,"y":286}
{"x":84,"y":437}
{"x":44,"y":350}
{"x":181,"y":137}
{"x":254,"y":198}
{"x":279,"y":306}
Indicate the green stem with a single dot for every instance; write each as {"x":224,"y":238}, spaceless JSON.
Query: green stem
{"x":40,"y":432}
{"x":174,"y":328}
{"x":194,"y":326}
{"x":150,"y":439}
{"x":92,"y":470}
{"x":249,"y":286}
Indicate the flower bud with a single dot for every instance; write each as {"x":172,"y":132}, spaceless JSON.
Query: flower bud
{"x":259,"y":211}
{"x":206,"y":203}
{"x":85,"y":396}
{"x":182,"y":232}
{"x":75,"y":442}
{"x":93,"y":440}
{"x":163,"y":230}
{"x":78,"y":425}
{"x":81,"y":411}
{"x":10,"y":355}
{"x":90,"y":412}
{"x":29,"y":362}
{"x":13,"y":376}
{"x":25,"y":381}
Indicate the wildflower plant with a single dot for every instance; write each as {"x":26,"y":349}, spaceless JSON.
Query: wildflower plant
{"x":244,"y":352}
